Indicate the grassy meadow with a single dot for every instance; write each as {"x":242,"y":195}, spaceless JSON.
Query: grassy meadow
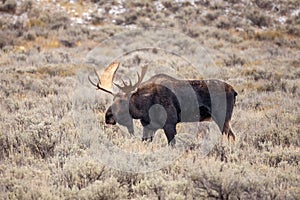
{"x":48,"y":47}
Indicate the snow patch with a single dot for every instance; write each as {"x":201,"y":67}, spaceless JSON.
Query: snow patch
{"x":116,"y":10}
{"x":77,"y":20}
{"x":282,"y":19}
{"x":295,"y":12}
{"x":158,"y":5}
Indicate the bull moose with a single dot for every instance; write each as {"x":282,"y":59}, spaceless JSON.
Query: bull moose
{"x":163,"y":101}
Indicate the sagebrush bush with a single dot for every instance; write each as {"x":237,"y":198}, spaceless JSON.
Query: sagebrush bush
{"x":226,"y":182}
{"x":108,"y":189}
{"x":43,"y":155}
{"x":258,"y":18}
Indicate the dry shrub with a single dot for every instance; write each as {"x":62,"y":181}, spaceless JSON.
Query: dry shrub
{"x":87,"y":179}
{"x":25,"y":6}
{"x":212,"y":15}
{"x":258,"y":18}
{"x":82,"y":174}
{"x":231,"y":181}
{"x":25,"y":182}
{"x":57,"y":71}
{"x":158,"y":185}
{"x":131,"y":18}
{"x":270,"y":81}
{"x":171,"y":6}
{"x":224,"y":23}
{"x":294,"y":30}
{"x":9,"y":6}
{"x":283,"y":135}
{"x":106,"y":190}
{"x":281,"y":157}
{"x":233,"y":1}
{"x":217,"y":5}
{"x":30,"y":36}
{"x":37,"y":128}
{"x":55,"y":21}
{"x":98,"y":1}
{"x":234,"y":60}
{"x":258,"y":74}
{"x":7,"y":39}
{"x":268,"y":35}
{"x":42,"y":157}
{"x":35,"y":23}
{"x":42,"y":140}
{"x":221,"y":34}
{"x":264,"y":4}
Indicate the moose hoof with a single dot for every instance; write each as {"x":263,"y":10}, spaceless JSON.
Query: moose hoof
{"x":148,"y":139}
{"x":172,"y":142}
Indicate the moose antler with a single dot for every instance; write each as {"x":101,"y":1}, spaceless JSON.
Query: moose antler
{"x":106,"y":79}
{"x":127,"y":88}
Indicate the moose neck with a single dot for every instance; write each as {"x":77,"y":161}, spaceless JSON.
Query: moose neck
{"x":133,"y":110}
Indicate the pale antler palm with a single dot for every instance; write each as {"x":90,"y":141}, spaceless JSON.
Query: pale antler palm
{"x":105,"y":81}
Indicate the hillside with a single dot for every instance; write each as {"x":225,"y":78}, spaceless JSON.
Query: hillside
{"x":54,"y":143}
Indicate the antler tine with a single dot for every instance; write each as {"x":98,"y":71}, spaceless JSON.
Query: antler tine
{"x":99,"y":81}
{"x":127,"y":88}
{"x":141,"y":77}
{"x":118,"y":86}
{"x":94,"y":84}
{"x":130,"y":83}
{"x":123,"y":82}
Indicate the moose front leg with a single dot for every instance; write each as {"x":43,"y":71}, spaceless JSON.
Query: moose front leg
{"x":170,"y":131}
{"x":130,"y":128}
{"x":148,"y":134}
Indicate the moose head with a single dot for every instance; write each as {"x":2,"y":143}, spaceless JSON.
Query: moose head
{"x":119,"y":112}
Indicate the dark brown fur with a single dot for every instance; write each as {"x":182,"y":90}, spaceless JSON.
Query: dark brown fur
{"x":173,"y":100}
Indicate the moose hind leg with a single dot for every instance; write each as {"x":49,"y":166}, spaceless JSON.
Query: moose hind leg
{"x":227,"y":131}
{"x":170,"y":131}
{"x":224,"y":127}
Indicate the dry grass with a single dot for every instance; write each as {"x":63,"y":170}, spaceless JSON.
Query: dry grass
{"x":43,"y":154}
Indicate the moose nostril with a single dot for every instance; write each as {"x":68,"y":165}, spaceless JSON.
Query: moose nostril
{"x":110,"y":120}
